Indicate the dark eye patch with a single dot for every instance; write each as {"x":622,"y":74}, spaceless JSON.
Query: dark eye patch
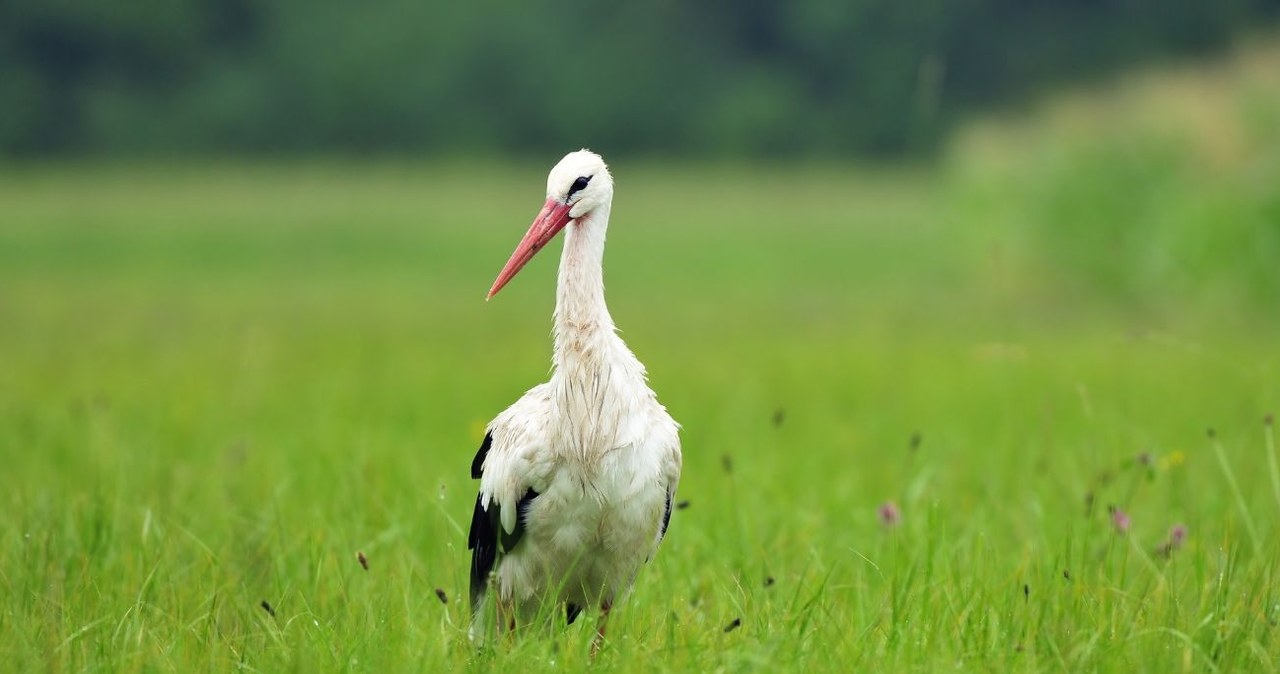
{"x":578,"y":185}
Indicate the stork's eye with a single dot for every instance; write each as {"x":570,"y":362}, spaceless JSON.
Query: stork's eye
{"x":578,"y":185}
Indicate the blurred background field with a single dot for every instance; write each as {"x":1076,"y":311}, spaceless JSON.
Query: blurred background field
{"x":999,"y":267}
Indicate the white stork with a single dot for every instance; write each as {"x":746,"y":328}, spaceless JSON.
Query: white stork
{"x":578,"y":476}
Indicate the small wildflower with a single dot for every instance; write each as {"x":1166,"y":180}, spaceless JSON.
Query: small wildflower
{"x":1177,"y":537}
{"x":1120,"y":520}
{"x":1172,"y":460}
{"x":889,"y":514}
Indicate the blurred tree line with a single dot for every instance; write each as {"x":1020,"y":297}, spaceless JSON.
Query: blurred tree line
{"x":718,"y":77}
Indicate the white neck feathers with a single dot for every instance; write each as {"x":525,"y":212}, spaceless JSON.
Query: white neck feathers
{"x":583,"y":326}
{"x":597,"y":381}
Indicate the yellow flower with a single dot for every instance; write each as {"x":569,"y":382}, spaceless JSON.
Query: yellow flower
{"x":1172,"y":460}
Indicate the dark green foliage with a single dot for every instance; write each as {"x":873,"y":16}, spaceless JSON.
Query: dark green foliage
{"x":1158,"y":196}
{"x":724,"y":78}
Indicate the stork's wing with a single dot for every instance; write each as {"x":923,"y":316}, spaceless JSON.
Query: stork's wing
{"x":487,"y":538}
{"x":510,"y":474}
{"x":665,"y":442}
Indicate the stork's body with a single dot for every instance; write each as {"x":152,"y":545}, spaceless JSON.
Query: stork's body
{"x":577,"y":477}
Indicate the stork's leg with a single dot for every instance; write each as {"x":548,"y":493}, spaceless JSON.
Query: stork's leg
{"x":506,"y":622}
{"x":601,"y":624}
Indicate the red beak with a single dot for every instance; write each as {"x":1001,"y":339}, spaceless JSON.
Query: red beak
{"x":553,"y":217}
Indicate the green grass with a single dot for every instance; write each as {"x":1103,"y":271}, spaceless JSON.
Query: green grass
{"x":220,"y":384}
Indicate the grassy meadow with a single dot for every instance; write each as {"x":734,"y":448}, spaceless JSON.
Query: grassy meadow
{"x":219,"y":383}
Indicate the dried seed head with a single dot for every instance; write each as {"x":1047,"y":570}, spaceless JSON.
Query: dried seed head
{"x":364,"y":561}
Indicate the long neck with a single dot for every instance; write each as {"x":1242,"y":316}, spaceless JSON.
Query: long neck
{"x":583,"y":326}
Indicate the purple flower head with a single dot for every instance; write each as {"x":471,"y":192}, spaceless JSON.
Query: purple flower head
{"x":1120,"y":520}
{"x":889,"y":514}
{"x":1177,"y":536}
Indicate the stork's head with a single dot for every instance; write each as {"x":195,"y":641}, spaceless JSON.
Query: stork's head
{"x":576,"y":187}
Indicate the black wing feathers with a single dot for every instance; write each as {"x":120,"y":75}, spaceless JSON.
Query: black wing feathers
{"x":483,"y":542}
{"x":487,"y":537}
{"x":477,"y":464}
{"x":509,"y":540}
{"x":666,"y":517}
